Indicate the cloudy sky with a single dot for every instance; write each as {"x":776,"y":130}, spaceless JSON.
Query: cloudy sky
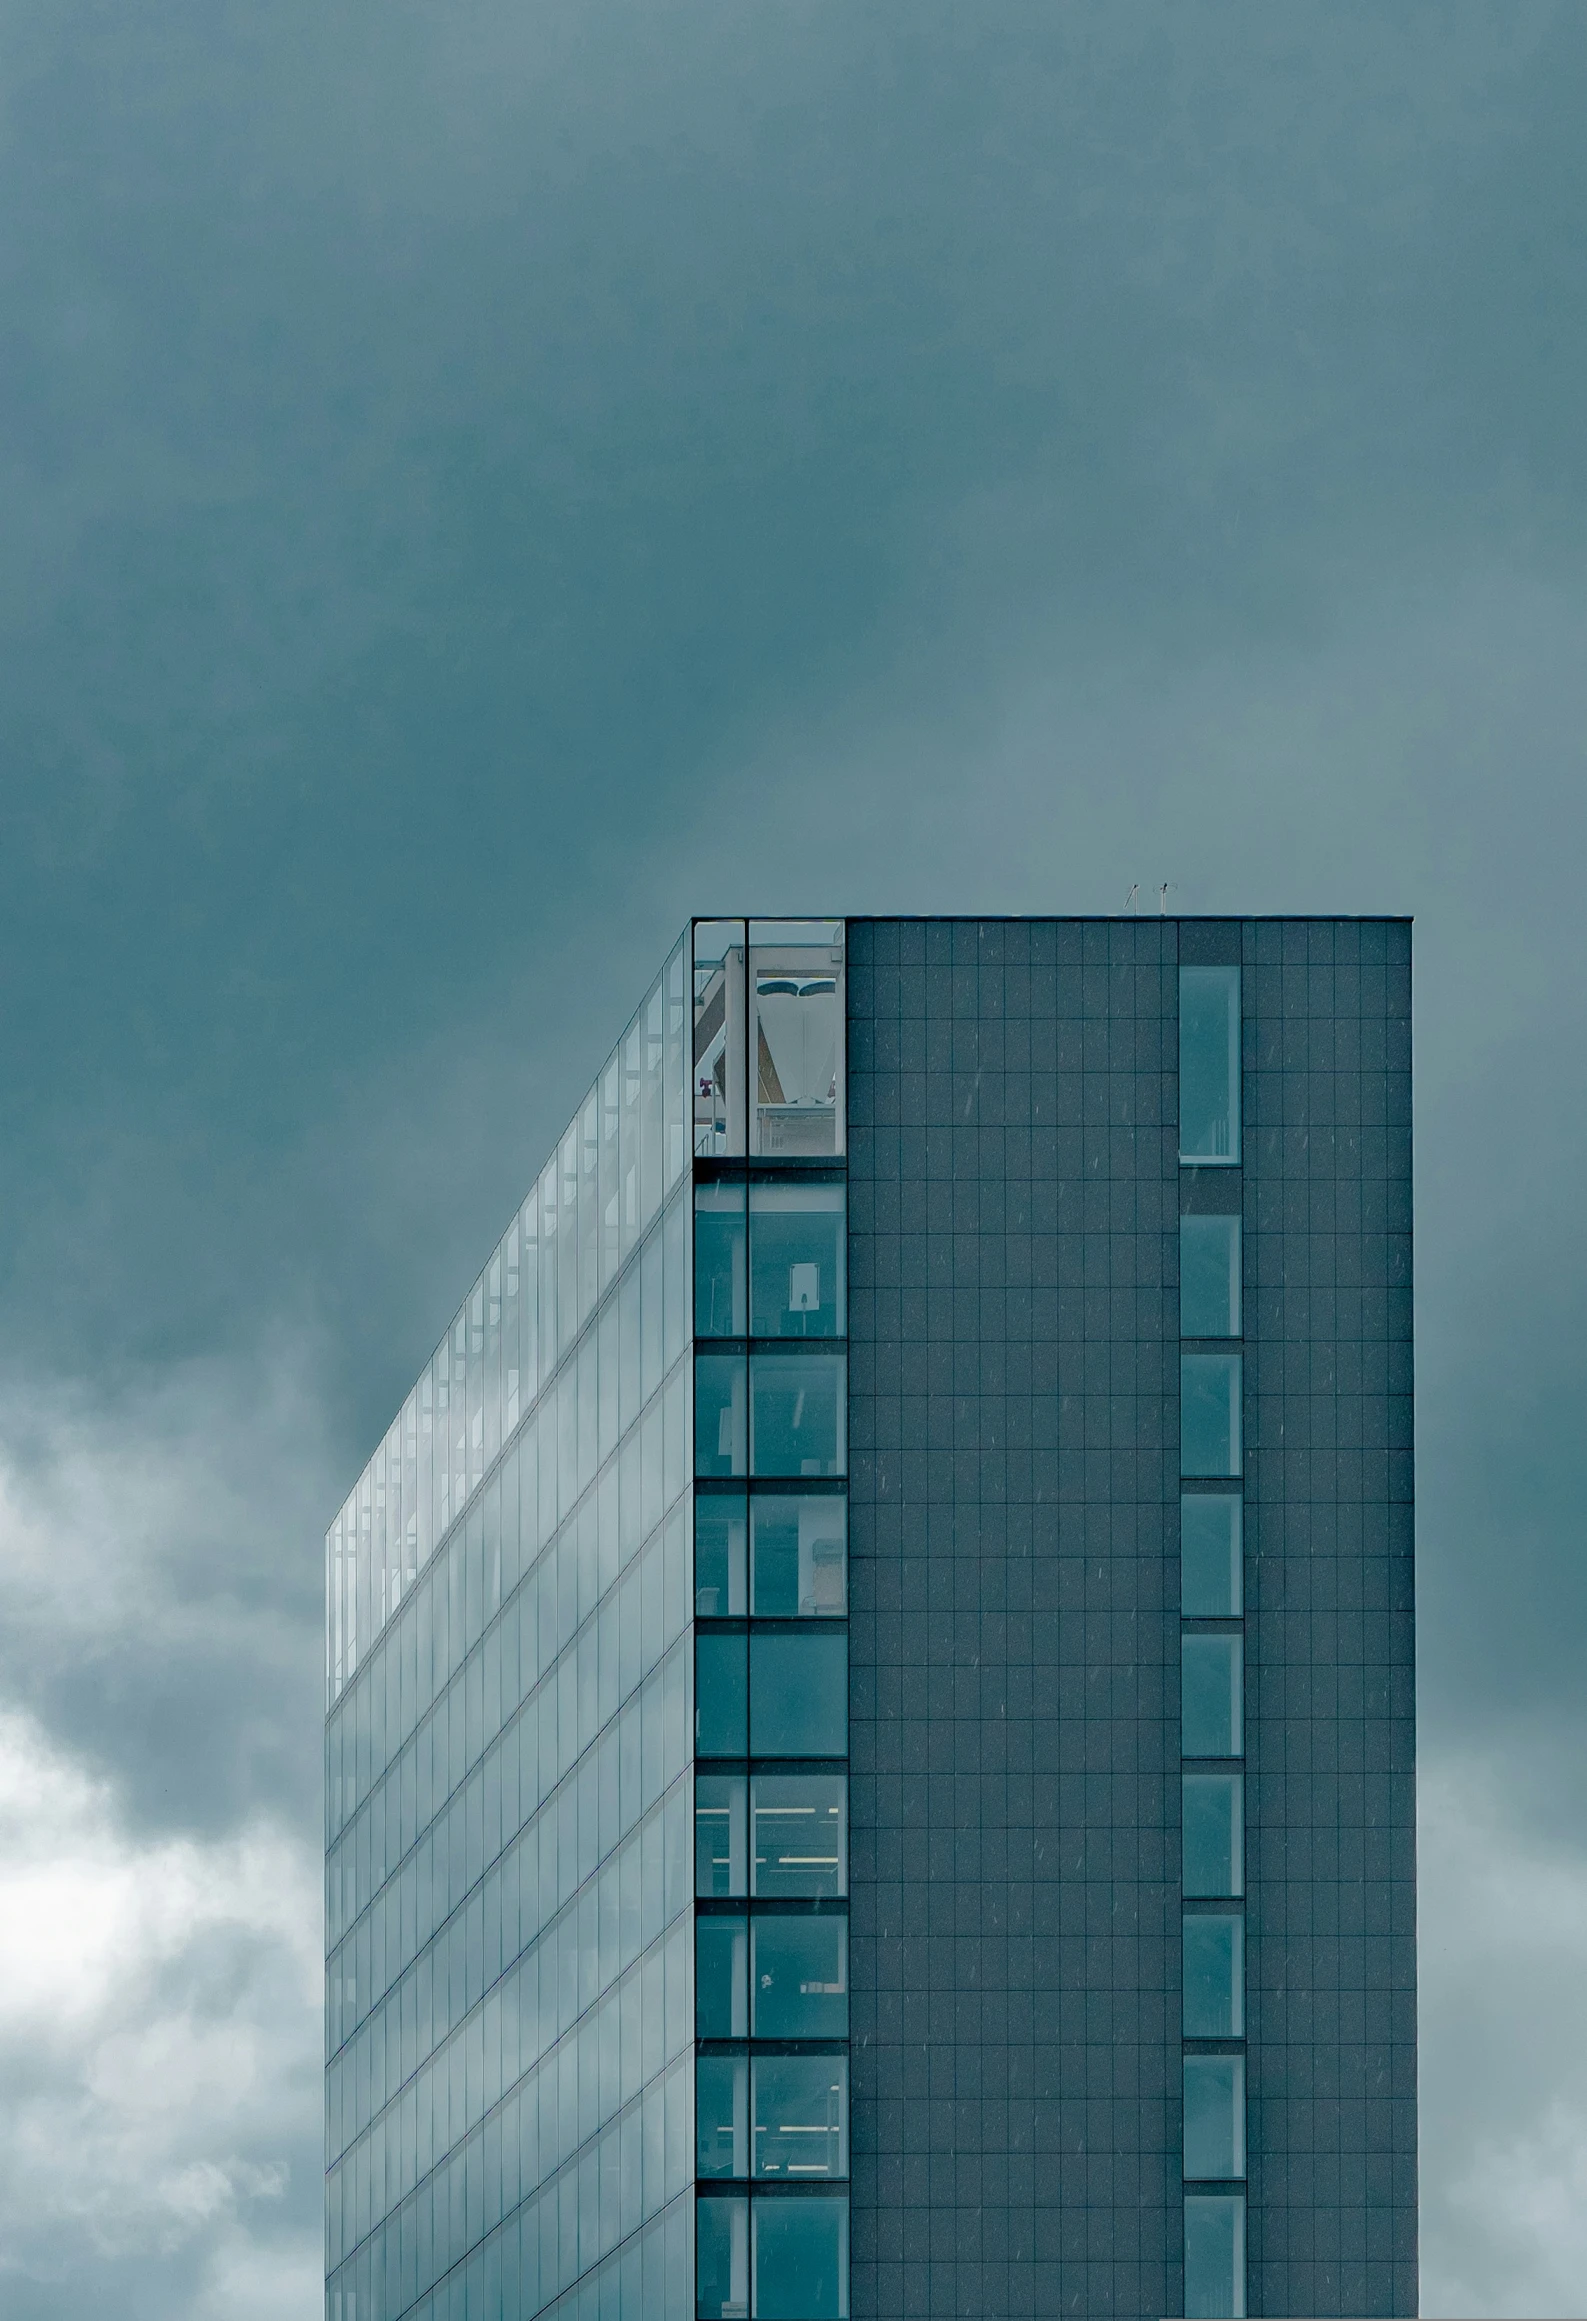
{"x":480,"y":482}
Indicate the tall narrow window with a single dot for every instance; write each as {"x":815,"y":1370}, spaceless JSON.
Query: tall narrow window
{"x":1215,"y":2256}
{"x":718,"y":1040}
{"x":1209,"y":1064}
{"x":1213,"y":1835}
{"x":1214,"y":2117}
{"x":1210,"y":1694}
{"x":1209,"y":1414}
{"x":1210,"y":1577}
{"x":721,"y":1303}
{"x":796,"y":1037}
{"x":1209,"y":1277}
{"x":1214,"y":1975}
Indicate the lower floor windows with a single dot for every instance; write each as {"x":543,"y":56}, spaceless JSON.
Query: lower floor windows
{"x":772,"y":2259}
{"x":1214,"y":2256}
{"x":1214,"y":2117}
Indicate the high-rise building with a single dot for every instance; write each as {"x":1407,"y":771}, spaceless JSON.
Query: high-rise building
{"x":870,"y":1742}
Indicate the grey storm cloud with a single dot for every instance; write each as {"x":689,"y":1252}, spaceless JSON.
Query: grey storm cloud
{"x":483,"y":483}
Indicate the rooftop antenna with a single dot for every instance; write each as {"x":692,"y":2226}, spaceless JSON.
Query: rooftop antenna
{"x":1162,"y":901}
{"x":1129,"y":900}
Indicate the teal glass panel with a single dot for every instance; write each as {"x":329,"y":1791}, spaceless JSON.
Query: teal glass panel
{"x":720,"y":1527}
{"x":799,"y":1414}
{"x":721,"y":1978}
{"x":720,"y":1696}
{"x":797,"y":1249}
{"x":799,"y":1556}
{"x":721,"y":2262}
{"x":801,"y":2117}
{"x":799,"y":1693}
{"x":721,"y":2115}
{"x":721,"y":1304}
{"x":1211,"y":1683}
{"x":1209,"y":1414}
{"x":1209,"y":1064}
{"x":1214,"y":2117}
{"x":1212,"y":1835}
{"x":800,"y":1977}
{"x":1215,"y":2256}
{"x":801,"y":2259}
{"x":799,"y":1835}
{"x":1210,"y":1556}
{"x":1214,"y":1977}
{"x":721,"y":1854}
{"x":1209,"y":1277}
{"x":721,"y":1415}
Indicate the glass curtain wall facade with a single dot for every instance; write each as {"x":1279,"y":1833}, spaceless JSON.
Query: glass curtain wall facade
{"x":870,"y":1744}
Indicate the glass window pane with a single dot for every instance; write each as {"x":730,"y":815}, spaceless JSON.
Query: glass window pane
{"x":1209,"y":1063}
{"x":1214,"y":2116}
{"x":721,"y":2112}
{"x":1214,"y":2257}
{"x":800,"y":1834}
{"x":1214,"y":1977}
{"x":721,"y":1430}
{"x":801,"y":2259}
{"x":799,"y":1414}
{"x":721,"y":2263}
{"x":719,"y":1529}
{"x":1210,"y":1559}
{"x":721,"y":1306}
{"x":1212,"y":1837}
{"x":1210,"y":1695}
{"x":801,"y":2116}
{"x":799,"y":1551}
{"x":797,"y":1243}
{"x":721,"y":1978}
{"x":1209,"y":1414}
{"x":1209,"y":1277}
{"x":800,"y":1978}
{"x":799,"y":1693}
{"x":720,"y":1697}
{"x":721,"y":1854}
{"x":718,"y":1042}
{"x":796,"y":1036}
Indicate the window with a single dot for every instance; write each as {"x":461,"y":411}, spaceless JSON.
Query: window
{"x":800,"y":1977}
{"x":721,"y":1854}
{"x":721,"y":2260}
{"x":721,"y":1415}
{"x":1213,"y":1838}
{"x":1209,"y":1064}
{"x":1214,"y":2116}
{"x":1210,"y":1575}
{"x":799,"y":1693}
{"x":720,"y":1696}
{"x":721,"y":1978}
{"x":799,"y":1556}
{"x":1211,"y":1681}
{"x":1214,"y":1976}
{"x":1209,"y":1277}
{"x":796,"y":1037}
{"x":721,"y":2114}
{"x":718,"y":1044}
{"x":800,"y":1834}
{"x":721,"y":1304}
{"x":798,"y":1414}
{"x":801,"y":2116}
{"x":1215,"y":2256}
{"x":797,"y":1250}
{"x":801,"y":2259}
{"x":719,"y":1557}
{"x":1209,"y":1414}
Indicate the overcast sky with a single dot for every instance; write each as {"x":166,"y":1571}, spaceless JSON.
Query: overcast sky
{"x":482,"y":482}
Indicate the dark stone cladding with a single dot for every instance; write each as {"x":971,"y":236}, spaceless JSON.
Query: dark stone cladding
{"x":1014,"y":1193}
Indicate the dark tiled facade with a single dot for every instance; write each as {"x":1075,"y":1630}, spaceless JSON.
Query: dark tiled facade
{"x":1015,"y":1191}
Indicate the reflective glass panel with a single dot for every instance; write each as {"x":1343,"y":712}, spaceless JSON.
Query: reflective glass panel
{"x":1214,"y":1977}
{"x":1212,"y":1836}
{"x":801,"y":2116}
{"x":800,"y":1977}
{"x":799,"y":1693}
{"x":1209,"y":1414}
{"x":718,"y":1043}
{"x":1210,"y":1574}
{"x":800,"y":1834}
{"x":1209,"y":1277}
{"x":721,"y":1415}
{"x":1214,"y":2256}
{"x":721,"y":1978}
{"x":799,"y":1414}
{"x":721,"y":2262}
{"x":799,"y":1549}
{"x":721,"y":2112}
{"x":1214,"y":2116}
{"x":721,"y":1854}
{"x":796,"y":1037}
{"x":721,"y":1304}
{"x":720,"y":1524}
{"x":1210,"y":1695}
{"x":720,"y":1696}
{"x":801,"y":2259}
{"x":1209,"y":1063}
{"x":797,"y":1246}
